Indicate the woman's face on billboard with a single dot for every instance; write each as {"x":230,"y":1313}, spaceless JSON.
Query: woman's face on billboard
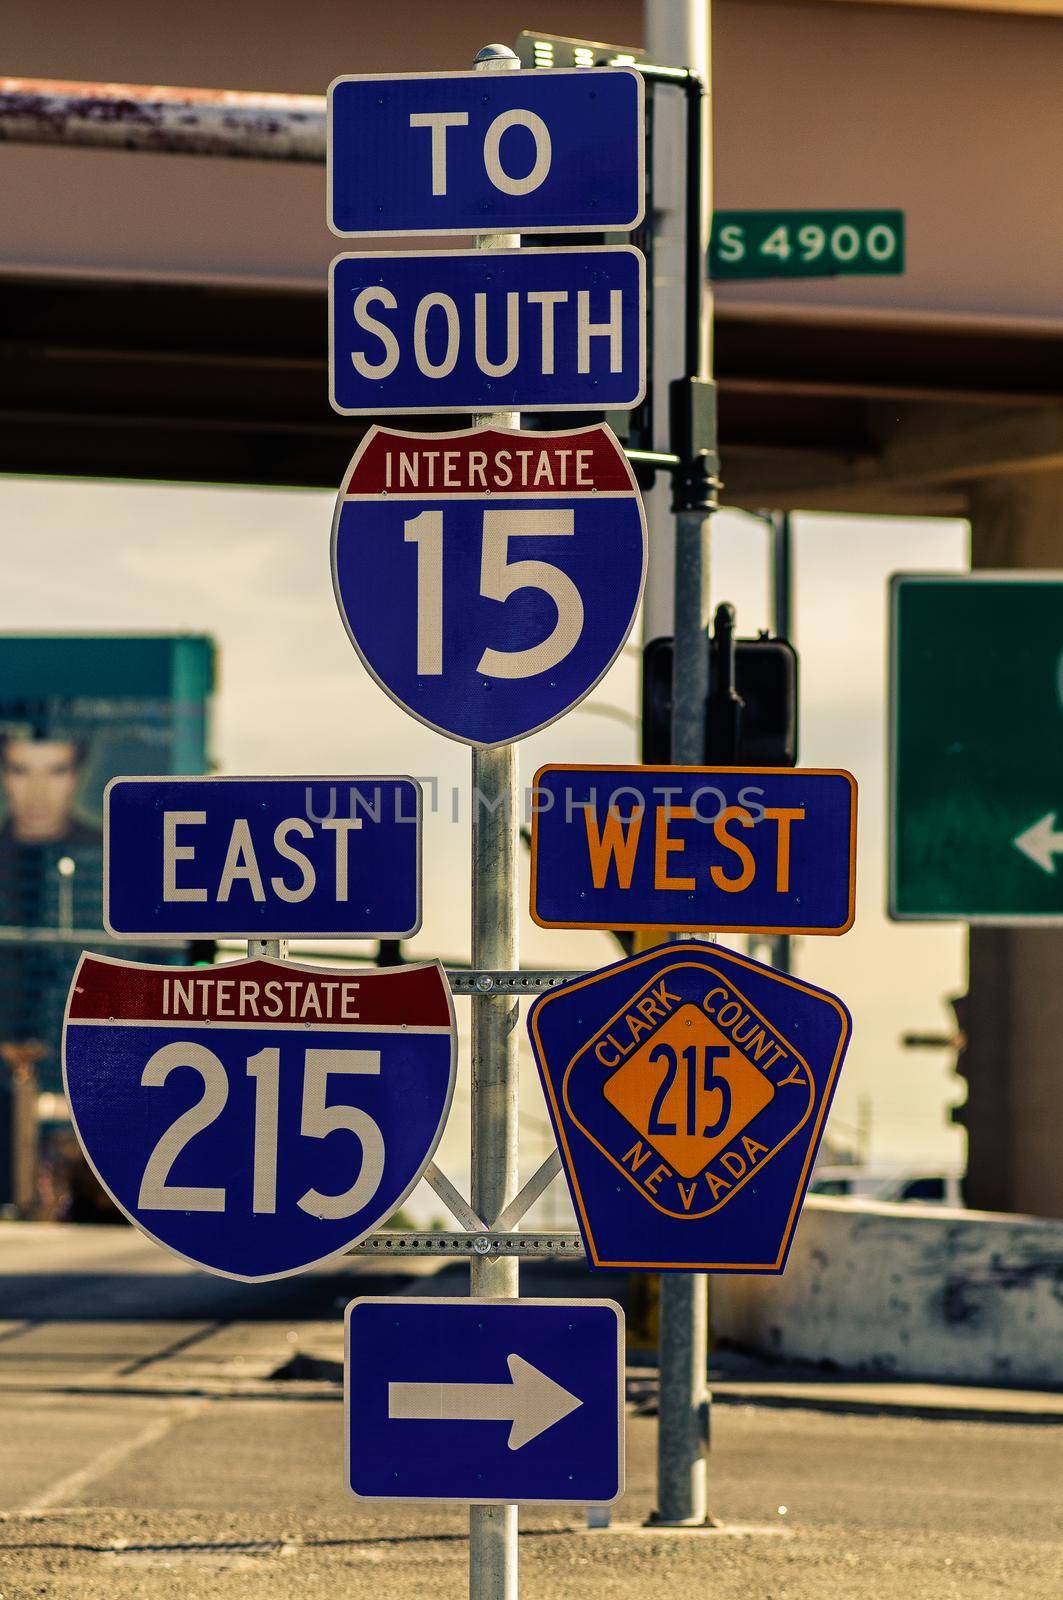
{"x":40,"y":779}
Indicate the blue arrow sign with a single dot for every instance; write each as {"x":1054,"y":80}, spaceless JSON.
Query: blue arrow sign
{"x":488,"y":579}
{"x":487,"y":330}
{"x":473,"y":152}
{"x":262,"y":858}
{"x":259,"y":1117}
{"x":485,"y":1402}
{"x":738,"y":850}
{"x":688,"y":1088}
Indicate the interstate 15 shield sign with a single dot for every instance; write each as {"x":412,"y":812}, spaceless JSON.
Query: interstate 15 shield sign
{"x":489,"y":578}
{"x":259,"y":1117}
{"x":688,"y":1089}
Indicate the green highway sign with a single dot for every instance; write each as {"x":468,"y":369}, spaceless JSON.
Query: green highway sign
{"x":805,"y":244}
{"x":976,"y":747}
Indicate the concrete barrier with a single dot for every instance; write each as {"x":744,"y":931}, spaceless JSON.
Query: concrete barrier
{"x":909,"y":1291}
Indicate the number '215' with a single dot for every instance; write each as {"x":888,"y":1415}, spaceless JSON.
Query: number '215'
{"x":697,"y":1070}
{"x":318,"y":1120}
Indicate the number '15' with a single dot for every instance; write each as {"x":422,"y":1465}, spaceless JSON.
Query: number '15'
{"x":499,"y":578}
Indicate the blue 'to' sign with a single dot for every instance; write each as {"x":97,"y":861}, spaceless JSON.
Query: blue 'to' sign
{"x":474,"y":152}
{"x":488,"y":578}
{"x":258,"y":1117}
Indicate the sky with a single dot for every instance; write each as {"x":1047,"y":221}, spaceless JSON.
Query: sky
{"x":251,"y":567}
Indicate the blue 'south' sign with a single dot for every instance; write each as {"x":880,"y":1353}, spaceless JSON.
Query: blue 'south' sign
{"x":474,"y":152}
{"x":259,"y":1117}
{"x":688,"y":1089}
{"x":262,"y":858}
{"x":488,"y":578}
{"x":485,"y":1401}
{"x":738,"y":850}
{"x":487,"y":330}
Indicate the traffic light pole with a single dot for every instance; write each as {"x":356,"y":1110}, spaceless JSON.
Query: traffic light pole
{"x":682,"y":1498}
{"x":495,"y":903}
{"x":782,"y":623}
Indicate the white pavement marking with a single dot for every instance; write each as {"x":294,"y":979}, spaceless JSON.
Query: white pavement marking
{"x":69,"y":1486}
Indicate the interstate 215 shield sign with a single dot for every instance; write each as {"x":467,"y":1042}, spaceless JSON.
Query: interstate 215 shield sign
{"x":489,"y":578}
{"x":259,"y":1117}
{"x":688,"y":1089}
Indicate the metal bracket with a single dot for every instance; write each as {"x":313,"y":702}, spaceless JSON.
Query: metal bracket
{"x":453,"y":1199}
{"x":522,"y":1202}
{"x":472,"y":980}
{"x":543,"y":1245}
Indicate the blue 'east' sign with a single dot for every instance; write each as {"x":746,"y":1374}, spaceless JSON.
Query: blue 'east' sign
{"x":475,"y":152}
{"x":259,"y":1117}
{"x":750,"y":850}
{"x":262,"y":858}
{"x":488,"y":578}
{"x":485,"y":1402}
{"x":488,"y":330}
{"x":688,"y":1088}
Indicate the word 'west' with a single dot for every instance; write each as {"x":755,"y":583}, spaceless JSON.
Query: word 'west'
{"x":614,"y":846}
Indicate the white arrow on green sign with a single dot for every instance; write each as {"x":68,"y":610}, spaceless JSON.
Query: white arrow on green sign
{"x":1042,"y":842}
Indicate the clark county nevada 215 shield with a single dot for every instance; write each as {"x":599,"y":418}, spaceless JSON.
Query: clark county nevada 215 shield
{"x":689,"y":1088}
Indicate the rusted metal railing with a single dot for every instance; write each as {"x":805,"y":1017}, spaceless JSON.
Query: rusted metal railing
{"x":201,"y":122}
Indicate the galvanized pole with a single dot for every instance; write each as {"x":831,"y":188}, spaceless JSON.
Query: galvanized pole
{"x":495,"y":899}
{"x":678,"y":32}
{"x":782,"y":622}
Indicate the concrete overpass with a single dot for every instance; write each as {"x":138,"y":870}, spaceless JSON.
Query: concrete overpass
{"x":164,"y":316}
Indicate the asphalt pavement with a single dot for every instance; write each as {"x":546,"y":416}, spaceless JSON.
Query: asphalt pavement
{"x":164,"y":1433}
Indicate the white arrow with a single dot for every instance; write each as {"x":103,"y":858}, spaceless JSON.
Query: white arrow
{"x":531,"y":1401}
{"x":1041,"y":842}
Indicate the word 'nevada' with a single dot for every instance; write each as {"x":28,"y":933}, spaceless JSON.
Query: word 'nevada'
{"x":245,"y":999}
{"x":542,"y":467}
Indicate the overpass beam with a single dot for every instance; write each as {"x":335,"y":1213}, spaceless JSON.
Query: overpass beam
{"x":916,"y":456}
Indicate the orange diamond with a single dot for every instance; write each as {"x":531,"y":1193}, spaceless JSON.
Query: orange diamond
{"x":688,"y":1091}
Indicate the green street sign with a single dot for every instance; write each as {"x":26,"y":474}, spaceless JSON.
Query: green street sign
{"x":976,"y":747}
{"x":805,"y":244}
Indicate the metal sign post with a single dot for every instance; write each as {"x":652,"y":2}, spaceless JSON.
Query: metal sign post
{"x":495,"y":910}
{"x":682,"y":1437}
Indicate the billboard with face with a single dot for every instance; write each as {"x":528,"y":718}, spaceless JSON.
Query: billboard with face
{"x":75,"y":712}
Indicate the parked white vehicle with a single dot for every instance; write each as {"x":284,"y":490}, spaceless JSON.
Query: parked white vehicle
{"x":928,"y":1186}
